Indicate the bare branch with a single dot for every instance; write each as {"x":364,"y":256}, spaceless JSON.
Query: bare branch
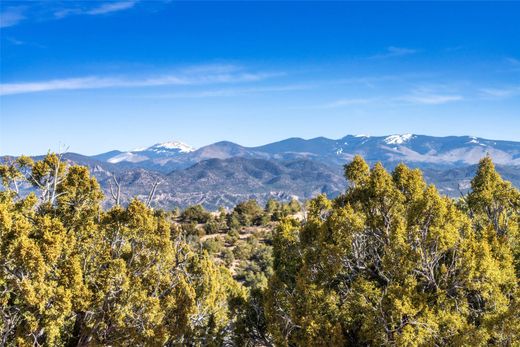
{"x":152,"y":192}
{"x":116,"y":195}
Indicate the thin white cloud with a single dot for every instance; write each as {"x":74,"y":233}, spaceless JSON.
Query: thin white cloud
{"x":112,"y":7}
{"x":414,"y":98}
{"x":430,"y":99}
{"x":183,"y":77}
{"x":62,"y":13}
{"x":393,"y":51}
{"x":229,"y":92}
{"x":15,"y":42}
{"x":105,"y":8}
{"x":61,"y":84}
{"x":500,"y":93}
{"x":12,"y":16}
{"x":431,"y":94}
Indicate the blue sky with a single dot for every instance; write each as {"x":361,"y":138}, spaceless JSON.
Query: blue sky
{"x":97,"y":76}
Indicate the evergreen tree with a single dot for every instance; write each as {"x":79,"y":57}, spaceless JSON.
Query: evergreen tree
{"x":392,"y":262}
{"x":72,"y":274}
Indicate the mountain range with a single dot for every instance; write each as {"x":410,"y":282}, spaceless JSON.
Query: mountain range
{"x":225,"y":173}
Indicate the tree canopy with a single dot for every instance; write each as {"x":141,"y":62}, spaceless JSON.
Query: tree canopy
{"x":390,"y":262}
{"x":73,"y":274}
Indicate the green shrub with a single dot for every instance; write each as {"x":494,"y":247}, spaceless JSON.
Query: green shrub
{"x":228,"y":256}
{"x":195,"y":213}
{"x":213,"y":245}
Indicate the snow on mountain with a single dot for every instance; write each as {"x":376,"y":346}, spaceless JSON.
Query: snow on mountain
{"x":128,"y":157}
{"x":165,"y":147}
{"x":474,"y":140}
{"x":420,"y":150}
{"x":398,"y":139}
{"x":158,"y":154}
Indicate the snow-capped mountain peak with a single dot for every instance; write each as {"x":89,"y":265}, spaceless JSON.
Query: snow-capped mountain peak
{"x":169,"y":146}
{"x":414,"y":149}
{"x":398,"y":139}
{"x":159,"y":151}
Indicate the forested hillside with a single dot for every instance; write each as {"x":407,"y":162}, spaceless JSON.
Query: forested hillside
{"x":389,"y":262}
{"x":226,"y":173}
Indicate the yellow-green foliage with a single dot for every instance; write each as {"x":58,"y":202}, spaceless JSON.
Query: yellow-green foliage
{"x":394,"y":263}
{"x":72,"y":274}
{"x":391,"y":262}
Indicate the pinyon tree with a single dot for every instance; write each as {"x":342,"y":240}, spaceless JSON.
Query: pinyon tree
{"x":73,"y":274}
{"x":392,"y":262}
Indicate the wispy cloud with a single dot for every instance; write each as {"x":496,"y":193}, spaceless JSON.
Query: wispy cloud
{"x":65,"y":12}
{"x":12,"y":16}
{"x":500,"y":93}
{"x":230,"y":92}
{"x":431,"y":94}
{"x":104,"y":8}
{"x":15,"y":42}
{"x":393,"y":51}
{"x":58,"y":84}
{"x":430,"y":98}
{"x":112,"y":7}
{"x":219,"y":75}
{"x":411,"y":99}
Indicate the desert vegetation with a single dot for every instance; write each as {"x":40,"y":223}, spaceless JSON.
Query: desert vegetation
{"x":389,"y":262}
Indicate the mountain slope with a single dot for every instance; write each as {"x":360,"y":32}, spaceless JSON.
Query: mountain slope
{"x":225,"y":173}
{"x":226,"y":182}
{"x":419,"y":150}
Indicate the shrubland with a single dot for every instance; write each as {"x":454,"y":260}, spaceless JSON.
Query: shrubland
{"x":390,"y":262}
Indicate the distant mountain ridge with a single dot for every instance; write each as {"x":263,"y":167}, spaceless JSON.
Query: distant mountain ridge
{"x":225,"y":173}
{"x":419,"y":150}
{"x":159,"y":151}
